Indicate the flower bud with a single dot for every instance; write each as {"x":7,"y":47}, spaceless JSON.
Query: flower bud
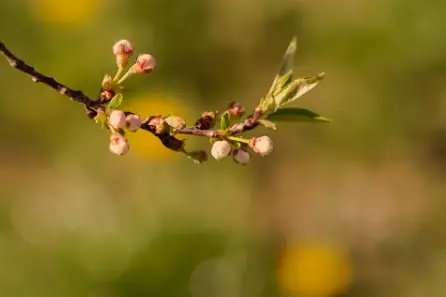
{"x":158,"y":125}
{"x":207,"y":121}
{"x":117,"y":119}
{"x":106,"y":95}
{"x":175,"y":122}
{"x":145,"y":63}
{"x":236,"y":109}
{"x":258,"y":112}
{"x":106,"y":82}
{"x":122,"y":49}
{"x":241,"y":156}
{"x":133,"y":122}
{"x":118,"y":144}
{"x":262,"y":145}
{"x":220,"y":149}
{"x":198,"y":156}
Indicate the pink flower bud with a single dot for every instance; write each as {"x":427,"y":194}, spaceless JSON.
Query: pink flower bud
{"x":145,"y":63}
{"x":220,"y":149}
{"x":241,"y":156}
{"x":117,"y":119}
{"x":262,"y":145}
{"x":122,"y":49}
{"x":133,"y":122}
{"x":236,"y":109}
{"x":119,"y":145}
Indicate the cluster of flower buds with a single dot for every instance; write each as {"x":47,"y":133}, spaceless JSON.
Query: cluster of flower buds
{"x":105,"y":111}
{"x":263,"y":145}
{"x":119,"y":120}
{"x":123,"y":50}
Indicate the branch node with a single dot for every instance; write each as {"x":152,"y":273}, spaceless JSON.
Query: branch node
{"x":63,"y":90}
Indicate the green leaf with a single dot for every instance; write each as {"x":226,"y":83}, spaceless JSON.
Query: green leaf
{"x":225,"y":121}
{"x":267,"y":124}
{"x":296,"y":115}
{"x":116,"y":101}
{"x":285,"y":74}
{"x":296,"y":89}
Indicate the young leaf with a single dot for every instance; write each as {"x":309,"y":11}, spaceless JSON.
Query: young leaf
{"x":116,"y":101}
{"x":297,"y":88}
{"x":285,"y":74}
{"x":267,"y":124}
{"x":225,"y":121}
{"x":296,"y":115}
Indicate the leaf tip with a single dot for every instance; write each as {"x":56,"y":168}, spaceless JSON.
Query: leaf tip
{"x":321,"y":75}
{"x":322,"y":119}
{"x":292,"y":47}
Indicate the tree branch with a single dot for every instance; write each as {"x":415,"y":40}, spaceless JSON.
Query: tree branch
{"x":93,"y":107}
{"x":38,"y":77}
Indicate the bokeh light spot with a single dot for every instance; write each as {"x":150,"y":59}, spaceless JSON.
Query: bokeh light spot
{"x":314,"y":269}
{"x":66,"y":12}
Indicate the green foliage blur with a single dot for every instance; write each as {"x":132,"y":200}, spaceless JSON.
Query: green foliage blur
{"x":352,"y":208}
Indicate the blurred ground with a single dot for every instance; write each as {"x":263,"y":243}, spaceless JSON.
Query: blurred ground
{"x":353,"y":208}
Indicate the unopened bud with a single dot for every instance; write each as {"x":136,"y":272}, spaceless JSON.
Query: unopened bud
{"x":106,"y":82}
{"x":119,"y":145}
{"x":262,"y":145}
{"x":133,"y":122}
{"x":175,"y":122}
{"x":106,"y":95}
{"x":221,"y":149}
{"x":145,"y":63}
{"x":198,"y":156}
{"x":158,"y":125}
{"x":117,"y":119}
{"x":258,"y":112}
{"x":236,"y":109}
{"x":207,"y":121}
{"x":122,"y":49}
{"x":241,"y":156}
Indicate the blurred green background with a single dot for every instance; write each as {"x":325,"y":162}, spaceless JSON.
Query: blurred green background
{"x":351,"y":208}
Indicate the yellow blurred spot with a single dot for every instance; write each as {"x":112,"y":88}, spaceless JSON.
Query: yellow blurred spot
{"x":64,"y":12}
{"x":144,"y":143}
{"x":314,"y":269}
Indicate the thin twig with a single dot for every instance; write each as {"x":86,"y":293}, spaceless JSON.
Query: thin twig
{"x":38,"y":77}
{"x":198,"y":132}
